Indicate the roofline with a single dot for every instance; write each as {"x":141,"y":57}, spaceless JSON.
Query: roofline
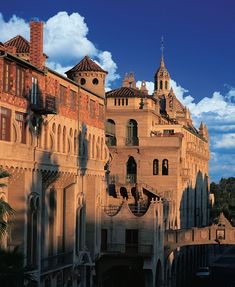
{"x":18,"y":59}
{"x":73,"y":82}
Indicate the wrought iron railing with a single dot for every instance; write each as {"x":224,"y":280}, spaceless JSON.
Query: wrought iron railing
{"x":57,"y":261}
{"x":131,"y":178}
{"x":128,"y":249}
{"x":44,"y":104}
{"x":132,"y":141}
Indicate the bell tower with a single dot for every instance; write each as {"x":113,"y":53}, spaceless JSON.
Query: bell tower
{"x":162,"y":77}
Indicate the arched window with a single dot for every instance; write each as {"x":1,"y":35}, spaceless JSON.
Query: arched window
{"x":166,"y":85}
{"x":163,"y":105}
{"x":132,"y":133}
{"x":155,"y":167}
{"x":75,"y":141}
{"x":58,"y":138}
{"x":32,"y":230}
{"x":131,"y":170}
{"x":165,"y":167}
{"x":80,"y":228}
{"x":64,"y":139}
{"x":51,"y":220}
{"x":93,"y":146}
{"x":161,"y":85}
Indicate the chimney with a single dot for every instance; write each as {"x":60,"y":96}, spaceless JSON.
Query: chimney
{"x":36,"y":56}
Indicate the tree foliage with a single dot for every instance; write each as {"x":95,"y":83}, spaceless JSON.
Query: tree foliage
{"x":6,"y":210}
{"x":224,"y":193}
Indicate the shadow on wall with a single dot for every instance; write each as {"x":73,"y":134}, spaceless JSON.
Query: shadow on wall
{"x":83,"y":149}
{"x":194,"y":203}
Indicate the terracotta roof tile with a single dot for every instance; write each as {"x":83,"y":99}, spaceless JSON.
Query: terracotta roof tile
{"x":86,"y":65}
{"x":21,"y":44}
{"x":126,"y":92}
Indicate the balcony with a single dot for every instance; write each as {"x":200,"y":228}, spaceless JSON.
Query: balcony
{"x":145,"y":250}
{"x":133,"y":141}
{"x":44,"y":105}
{"x":58,"y":261}
{"x":131,"y":178}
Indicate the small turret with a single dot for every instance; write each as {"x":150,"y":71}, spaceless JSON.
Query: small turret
{"x":89,"y":75}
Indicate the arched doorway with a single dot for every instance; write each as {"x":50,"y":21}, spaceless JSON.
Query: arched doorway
{"x":131,"y":170}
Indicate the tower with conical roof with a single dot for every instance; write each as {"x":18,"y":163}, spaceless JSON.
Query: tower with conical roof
{"x":89,"y":75}
{"x":162,"y":79}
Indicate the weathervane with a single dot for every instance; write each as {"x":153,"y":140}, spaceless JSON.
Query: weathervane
{"x":162,"y":45}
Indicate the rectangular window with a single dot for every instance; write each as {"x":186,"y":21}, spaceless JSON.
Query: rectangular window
{"x":92,"y":108}
{"x":123,"y":102}
{"x":34,"y":91}
{"x":115,"y":102}
{"x":62,"y":95}
{"x":126,"y":102}
{"x":5,"y":124}
{"x":101,"y":112}
{"x":20,"y":81}
{"x":6,"y":77}
{"x":72,"y":100}
{"x":20,"y":119}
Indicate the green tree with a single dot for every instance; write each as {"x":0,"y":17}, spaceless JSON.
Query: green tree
{"x":6,"y":210}
{"x":224,"y":193}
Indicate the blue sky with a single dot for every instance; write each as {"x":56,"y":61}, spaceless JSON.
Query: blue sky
{"x":124,"y":36}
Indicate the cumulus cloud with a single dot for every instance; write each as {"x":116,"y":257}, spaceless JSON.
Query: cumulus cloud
{"x":65,"y":42}
{"x":13,"y":27}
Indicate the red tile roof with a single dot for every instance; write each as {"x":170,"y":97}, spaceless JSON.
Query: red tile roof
{"x":126,"y":92}
{"x":21,"y":44}
{"x":86,"y":65}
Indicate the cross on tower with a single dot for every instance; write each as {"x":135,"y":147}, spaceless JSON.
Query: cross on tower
{"x":162,"y":45}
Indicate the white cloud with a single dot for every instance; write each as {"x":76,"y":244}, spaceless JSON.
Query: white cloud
{"x":15,"y":26}
{"x":65,"y":42}
{"x":225,"y":141}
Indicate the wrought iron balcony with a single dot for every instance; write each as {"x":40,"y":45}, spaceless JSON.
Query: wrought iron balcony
{"x":128,"y":249}
{"x":132,"y":141}
{"x":131,"y":178}
{"x":57,"y":261}
{"x":44,"y":105}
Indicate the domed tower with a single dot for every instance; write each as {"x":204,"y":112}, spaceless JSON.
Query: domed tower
{"x":89,"y":75}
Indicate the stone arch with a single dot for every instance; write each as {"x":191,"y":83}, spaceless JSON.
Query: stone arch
{"x":64,"y":140}
{"x":75,"y":142}
{"x":89,"y":146}
{"x":93,"y":146}
{"x":46,"y":135}
{"x":59,"y":138}
{"x":101,"y":148}
{"x":32,"y":228}
{"x":98,"y":148}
